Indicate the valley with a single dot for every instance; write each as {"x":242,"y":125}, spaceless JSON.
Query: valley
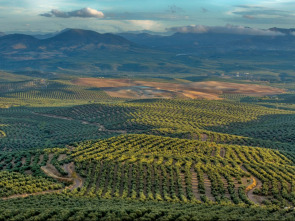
{"x":210,"y":90}
{"x":97,"y":127}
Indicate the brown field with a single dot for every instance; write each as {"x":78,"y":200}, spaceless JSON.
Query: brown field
{"x":211,"y":90}
{"x":102,"y":83}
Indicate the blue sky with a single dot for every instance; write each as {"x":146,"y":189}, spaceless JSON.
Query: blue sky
{"x":133,"y":15}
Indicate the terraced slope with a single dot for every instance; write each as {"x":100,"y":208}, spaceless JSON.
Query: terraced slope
{"x":43,"y":92}
{"x":216,"y":121}
{"x":172,"y":169}
{"x":148,"y":167}
{"x":23,"y":129}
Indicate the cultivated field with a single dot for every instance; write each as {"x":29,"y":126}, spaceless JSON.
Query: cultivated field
{"x":71,"y":148}
{"x":211,"y":90}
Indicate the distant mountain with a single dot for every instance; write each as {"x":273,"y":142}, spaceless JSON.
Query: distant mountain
{"x":45,"y":36}
{"x":289,"y":31}
{"x":146,"y":39}
{"x":195,"y":43}
{"x":16,"y":42}
{"x":83,"y":51}
{"x":80,"y":51}
{"x":77,"y":39}
{"x":2,"y":34}
{"x":69,"y":40}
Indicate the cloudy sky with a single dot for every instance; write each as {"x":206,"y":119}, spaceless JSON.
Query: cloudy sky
{"x":132,"y":15}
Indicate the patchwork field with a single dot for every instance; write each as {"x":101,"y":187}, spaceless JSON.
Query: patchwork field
{"x":211,"y":90}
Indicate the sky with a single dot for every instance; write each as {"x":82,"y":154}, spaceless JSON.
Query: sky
{"x":44,"y":16}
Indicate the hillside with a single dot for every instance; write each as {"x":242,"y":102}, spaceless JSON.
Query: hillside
{"x":152,"y":110}
{"x":148,"y":167}
{"x":69,"y":143}
{"x":181,"y":55}
{"x":218,"y":43}
{"x":80,"y":51}
{"x":62,"y":41}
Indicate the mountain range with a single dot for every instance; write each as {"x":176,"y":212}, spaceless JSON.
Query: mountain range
{"x":88,"y":51}
{"x":66,"y":42}
{"x":211,"y":43}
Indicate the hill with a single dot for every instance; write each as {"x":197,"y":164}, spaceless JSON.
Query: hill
{"x":220,"y":43}
{"x":147,"y":167}
{"x":173,"y":136}
{"x":80,"y":51}
{"x":182,"y":55}
{"x":72,"y":151}
{"x":66,"y":41}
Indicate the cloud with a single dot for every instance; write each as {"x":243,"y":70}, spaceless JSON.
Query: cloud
{"x":260,"y":12}
{"x":145,"y":24}
{"x":228,"y":29}
{"x":174,"y":9}
{"x":248,"y":16}
{"x":82,"y":13}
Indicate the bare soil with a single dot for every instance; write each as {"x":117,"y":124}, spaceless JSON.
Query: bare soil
{"x":51,"y":171}
{"x":204,"y":137}
{"x":210,"y":90}
{"x":116,"y":179}
{"x":78,"y":181}
{"x":254,"y":198}
{"x":195,"y":184}
{"x":102,"y":82}
{"x":99,"y":176}
{"x":207,"y":184}
{"x":28,"y":172}
{"x":213,"y":154}
{"x":225,"y":183}
{"x":32,"y":160}
{"x":31,"y":194}
{"x":160,"y":182}
{"x":61,"y":157}
{"x":41,"y":158}
{"x":50,"y":156}
{"x":145,"y":180}
{"x":70,"y":168}
{"x":122,"y":180}
{"x":130,"y":179}
{"x":222,"y":152}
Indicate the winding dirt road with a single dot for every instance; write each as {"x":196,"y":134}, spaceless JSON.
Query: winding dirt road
{"x":254,"y":198}
{"x":73,"y":177}
{"x":77,"y":180}
{"x":31,"y":194}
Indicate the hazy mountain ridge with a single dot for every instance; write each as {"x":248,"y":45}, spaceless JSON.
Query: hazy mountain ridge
{"x":70,"y":40}
{"x":83,"y":51}
{"x":215,"y":42}
{"x":76,"y":50}
{"x":289,"y":31}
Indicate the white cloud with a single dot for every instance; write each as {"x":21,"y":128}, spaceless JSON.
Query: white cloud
{"x":145,"y":25}
{"x":228,"y":29}
{"x":82,"y":13}
{"x":256,"y":11}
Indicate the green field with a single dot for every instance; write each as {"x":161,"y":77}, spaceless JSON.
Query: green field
{"x":71,"y":152}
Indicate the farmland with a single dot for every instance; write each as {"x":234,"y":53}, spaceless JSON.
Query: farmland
{"x":211,"y":90}
{"x":79,"y":150}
